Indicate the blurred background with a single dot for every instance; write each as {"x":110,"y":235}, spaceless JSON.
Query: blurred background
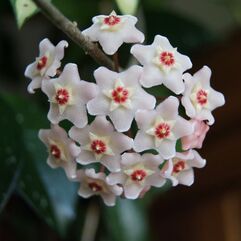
{"x":38,"y":203}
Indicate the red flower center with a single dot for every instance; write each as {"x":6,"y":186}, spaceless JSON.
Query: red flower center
{"x":120,"y":94}
{"x":98,"y":146}
{"x":167,"y":58}
{"x":202,"y":97}
{"x":162,"y":130}
{"x":42,"y":63}
{"x":112,"y":20}
{"x":179,"y":166}
{"x":95,"y":187}
{"x":55,"y":151}
{"x":138,"y":175}
{"x":62,"y":96}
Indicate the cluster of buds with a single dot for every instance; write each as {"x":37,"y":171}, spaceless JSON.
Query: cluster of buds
{"x":105,"y":155}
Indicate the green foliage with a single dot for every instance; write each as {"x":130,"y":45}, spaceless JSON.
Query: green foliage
{"x":23,"y":9}
{"x":127,"y":6}
{"x":10,"y":152}
{"x":48,"y":191}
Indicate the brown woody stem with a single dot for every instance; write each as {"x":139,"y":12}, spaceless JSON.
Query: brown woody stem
{"x":71,"y":30}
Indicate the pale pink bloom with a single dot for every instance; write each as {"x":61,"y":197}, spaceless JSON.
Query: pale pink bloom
{"x":195,"y":140}
{"x":46,"y":64}
{"x":180,"y":168}
{"x":138,"y":173}
{"x":120,"y":96}
{"x":111,"y":31}
{"x":92,"y":183}
{"x":199,"y":98}
{"x":162,"y":64}
{"x":100,"y":143}
{"x":62,"y":150}
{"x":159,"y":129}
{"x":68,"y":95}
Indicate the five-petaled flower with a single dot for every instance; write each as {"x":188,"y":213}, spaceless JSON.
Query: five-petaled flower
{"x":111,"y":31}
{"x":92,"y":183}
{"x":100,"y":143}
{"x":46,"y":64}
{"x":162,"y":64}
{"x":199,"y":98}
{"x":68,"y":95}
{"x":180,"y":168}
{"x":138,"y":173}
{"x":62,"y":150}
{"x":120,"y":96}
{"x":159,"y":129}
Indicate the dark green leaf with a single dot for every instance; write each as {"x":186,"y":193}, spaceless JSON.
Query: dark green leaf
{"x":51,"y":194}
{"x":47,"y":190}
{"x":10,"y":152}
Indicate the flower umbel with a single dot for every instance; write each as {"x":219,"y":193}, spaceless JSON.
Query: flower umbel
{"x":121,"y":143}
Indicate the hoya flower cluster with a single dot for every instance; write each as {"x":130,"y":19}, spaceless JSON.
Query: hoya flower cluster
{"x":130,"y":145}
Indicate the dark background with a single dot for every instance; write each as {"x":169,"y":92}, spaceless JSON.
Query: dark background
{"x":209,"y":32}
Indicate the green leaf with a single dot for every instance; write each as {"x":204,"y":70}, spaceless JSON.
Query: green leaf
{"x":23,"y":9}
{"x":48,"y":190}
{"x":160,"y":91}
{"x":28,"y":114}
{"x":126,"y":221}
{"x":127,"y":6}
{"x":10,"y":152}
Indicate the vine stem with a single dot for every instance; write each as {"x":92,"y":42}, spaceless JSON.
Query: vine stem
{"x":71,"y":30}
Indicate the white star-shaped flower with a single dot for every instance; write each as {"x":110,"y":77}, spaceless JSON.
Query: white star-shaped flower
{"x":100,"y":143}
{"x":68,"y":95}
{"x":111,"y":31}
{"x":62,"y":150}
{"x":179,"y":169}
{"x":92,"y":183}
{"x":120,"y":96}
{"x":159,"y":129}
{"x":138,"y":173}
{"x":199,"y":98}
{"x":162,"y":64}
{"x":46,"y":64}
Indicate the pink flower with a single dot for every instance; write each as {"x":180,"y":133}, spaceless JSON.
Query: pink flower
{"x":68,"y":95}
{"x":120,"y":96}
{"x":159,"y":129}
{"x":195,"y":140}
{"x":199,"y":99}
{"x":62,"y":150}
{"x":92,"y":183}
{"x":112,"y":30}
{"x":162,"y":64}
{"x":100,"y":143}
{"x":180,"y":168}
{"x":138,"y":173}
{"x":46,"y":64}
